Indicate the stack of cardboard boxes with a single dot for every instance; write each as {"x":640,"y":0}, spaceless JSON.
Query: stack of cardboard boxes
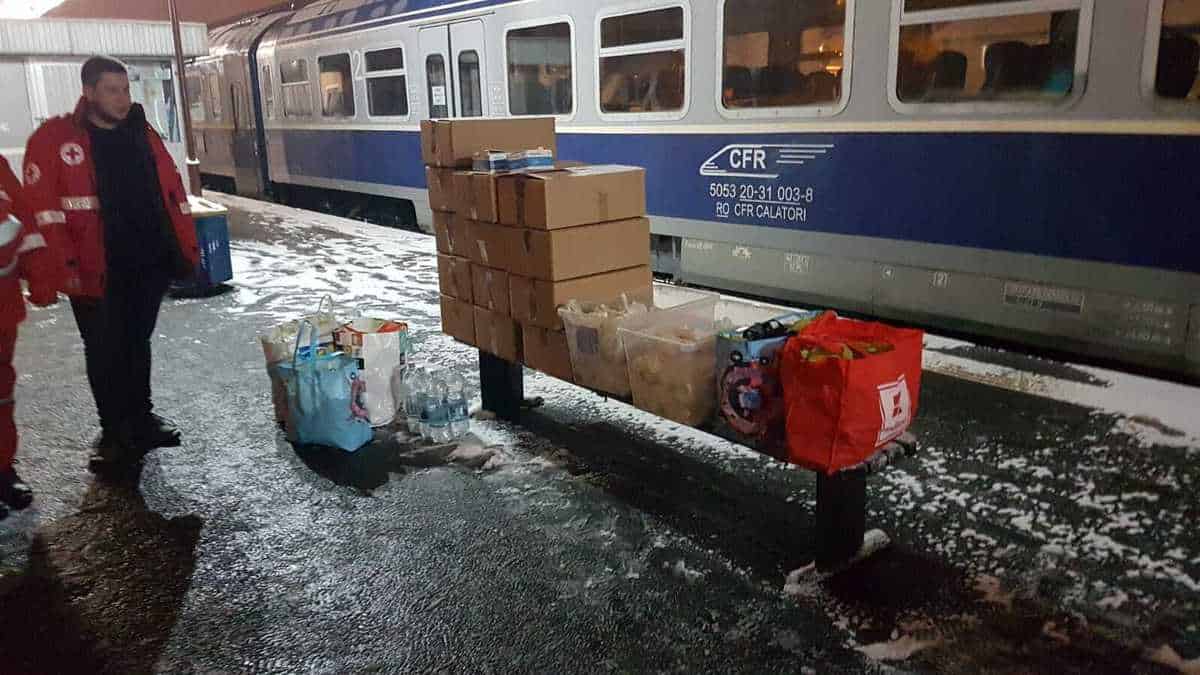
{"x":513,"y":247}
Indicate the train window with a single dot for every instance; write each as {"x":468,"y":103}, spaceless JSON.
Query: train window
{"x":954,"y":51}
{"x":297,"y":92}
{"x":268,"y":92}
{"x":782,"y":53}
{"x":539,"y":70}
{"x":470,"y":90}
{"x":152,"y":85}
{"x":435,"y":76}
{"x":387,"y":83}
{"x":1178,"y":51}
{"x":195,"y":96}
{"x":337,"y":86}
{"x":659,"y":25}
{"x":385,"y":59}
{"x":642,"y":66}
{"x":926,"y":5}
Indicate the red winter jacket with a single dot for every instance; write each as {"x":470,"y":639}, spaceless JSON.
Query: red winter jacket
{"x":23,"y":254}
{"x":60,"y":184}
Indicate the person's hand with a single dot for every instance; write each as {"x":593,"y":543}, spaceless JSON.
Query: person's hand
{"x":42,"y":296}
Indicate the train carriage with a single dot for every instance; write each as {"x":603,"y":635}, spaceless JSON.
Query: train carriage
{"x":1021,"y":169}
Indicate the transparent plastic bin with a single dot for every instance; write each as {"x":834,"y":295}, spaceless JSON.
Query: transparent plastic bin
{"x":597,"y":349}
{"x":671,"y":355}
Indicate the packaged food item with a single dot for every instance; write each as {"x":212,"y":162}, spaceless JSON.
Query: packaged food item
{"x":539,"y":159}
{"x":491,"y":161}
{"x":536,"y":302}
{"x":594,"y":341}
{"x":671,"y":354}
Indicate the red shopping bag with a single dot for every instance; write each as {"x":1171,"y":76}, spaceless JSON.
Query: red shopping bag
{"x":839,"y":411}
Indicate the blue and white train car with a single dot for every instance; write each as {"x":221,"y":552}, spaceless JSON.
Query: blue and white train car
{"x":1023,"y":169}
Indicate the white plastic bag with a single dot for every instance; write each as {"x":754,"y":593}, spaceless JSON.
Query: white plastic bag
{"x":379,"y":345}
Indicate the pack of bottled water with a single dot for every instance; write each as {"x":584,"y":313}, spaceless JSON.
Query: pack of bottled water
{"x":433,"y":404}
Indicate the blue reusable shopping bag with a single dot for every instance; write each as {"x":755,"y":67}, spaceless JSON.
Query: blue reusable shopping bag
{"x":324,"y":395}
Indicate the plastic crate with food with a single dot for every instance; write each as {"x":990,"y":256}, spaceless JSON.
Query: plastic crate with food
{"x":594,"y":338}
{"x":670,"y":355}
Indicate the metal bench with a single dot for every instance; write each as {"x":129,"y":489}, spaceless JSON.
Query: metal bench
{"x":841,"y":513}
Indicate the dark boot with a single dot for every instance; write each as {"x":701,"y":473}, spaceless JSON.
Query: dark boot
{"x":110,"y":455}
{"x":14,"y":492}
{"x":150,"y":432}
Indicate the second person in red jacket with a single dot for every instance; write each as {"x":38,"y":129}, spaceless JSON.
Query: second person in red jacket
{"x":103,"y":182}
{"x":23,"y":255}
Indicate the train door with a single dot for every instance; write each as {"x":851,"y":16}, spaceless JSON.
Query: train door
{"x":246,"y":174}
{"x":455,"y":70}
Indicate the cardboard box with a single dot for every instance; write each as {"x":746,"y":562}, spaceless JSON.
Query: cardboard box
{"x":475,"y":195}
{"x":484,"y":190}
{"x":554,"y":255}
{"x":547,"y":351}
{"x":492,"y":245}
{"x":453,"y":234}
{"x":535,"y":302}
{"x":498,"y":334}
{"x":573,"y":196}
{"x":458,"y":320}
{"x":490,"y":289}
{"x":441,"y":188}
{"x":461,"y":190}
{"x":454,"y":277}
{"x":453,"y":143}
{"x":441,"y":230}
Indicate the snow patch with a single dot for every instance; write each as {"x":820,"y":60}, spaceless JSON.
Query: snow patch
{"x":1113,"y":601}
{"x":680,"y":569}
{"x":1154,"y":411}
{"x":897,"y":650}
{"x":802,"y":582}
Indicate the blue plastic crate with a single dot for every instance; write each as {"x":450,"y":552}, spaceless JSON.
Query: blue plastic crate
{"x":212,"y":236}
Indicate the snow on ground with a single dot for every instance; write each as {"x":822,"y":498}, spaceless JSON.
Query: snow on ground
{"x":1156,"y":412}
{"x":1011,"y":505}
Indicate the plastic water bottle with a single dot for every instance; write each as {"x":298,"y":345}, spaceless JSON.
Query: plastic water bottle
{"x":437,"y":416}
{"x":399,"y":392}
{"x":456,"y":404}
{"x":415,"y":392}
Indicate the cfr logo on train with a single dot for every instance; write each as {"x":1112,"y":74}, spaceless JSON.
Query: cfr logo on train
{"x":761,"y":160}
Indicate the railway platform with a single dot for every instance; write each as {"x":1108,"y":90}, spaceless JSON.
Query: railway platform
{"x":1047,"y":522}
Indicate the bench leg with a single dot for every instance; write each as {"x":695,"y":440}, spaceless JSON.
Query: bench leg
{"x":502,"y":386}
{"x":841,"y":517}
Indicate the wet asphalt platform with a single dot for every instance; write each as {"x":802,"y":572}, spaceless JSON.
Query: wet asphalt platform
{"x":1034,"y":533}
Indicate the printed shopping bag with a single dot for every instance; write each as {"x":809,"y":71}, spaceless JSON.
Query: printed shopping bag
{"x":850,"y":387}
{"x":324,"y":395}
{"x":379,"y":346}
{"x":277,"y":345}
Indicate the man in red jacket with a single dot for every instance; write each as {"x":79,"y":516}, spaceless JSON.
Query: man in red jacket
{"x":103,"y":182}
{"x":23,"y":254}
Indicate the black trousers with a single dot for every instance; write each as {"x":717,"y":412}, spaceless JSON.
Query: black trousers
{"x":116,"y":335}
